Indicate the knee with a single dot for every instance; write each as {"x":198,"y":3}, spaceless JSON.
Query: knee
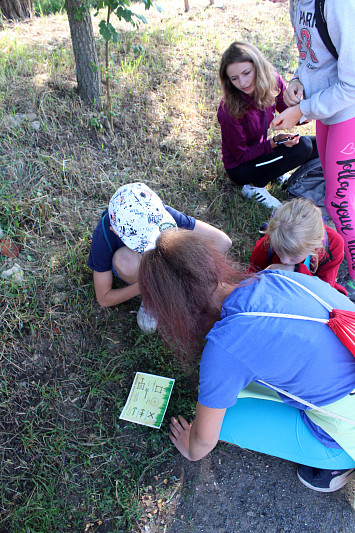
{"x":126,"y":263}
{"x":306,"y":147}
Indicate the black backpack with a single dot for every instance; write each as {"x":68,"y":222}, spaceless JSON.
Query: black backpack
{"x":308,"y":182}
{"x":322,"y":28}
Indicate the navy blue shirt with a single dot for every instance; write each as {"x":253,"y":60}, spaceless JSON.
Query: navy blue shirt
{"x":100,"y":258}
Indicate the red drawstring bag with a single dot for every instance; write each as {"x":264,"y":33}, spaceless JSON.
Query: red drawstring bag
{"x":342,"y":323}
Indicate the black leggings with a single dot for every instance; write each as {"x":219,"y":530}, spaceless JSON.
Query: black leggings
{"x":269,"y":167}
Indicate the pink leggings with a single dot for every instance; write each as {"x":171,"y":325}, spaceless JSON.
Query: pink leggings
{"x":336,"y":147}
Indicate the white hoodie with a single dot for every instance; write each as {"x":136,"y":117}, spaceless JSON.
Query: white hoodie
{"x":329,"y":85}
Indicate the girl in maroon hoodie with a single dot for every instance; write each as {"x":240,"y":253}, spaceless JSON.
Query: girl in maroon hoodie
{"x":252,"y":92}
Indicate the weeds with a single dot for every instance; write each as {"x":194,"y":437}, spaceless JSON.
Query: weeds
{"x":68,"y":463}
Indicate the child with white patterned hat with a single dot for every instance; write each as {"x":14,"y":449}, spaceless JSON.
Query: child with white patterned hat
{"x":134,"y":220}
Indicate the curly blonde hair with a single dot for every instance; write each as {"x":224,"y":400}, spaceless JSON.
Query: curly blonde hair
{"x":266,"y":88}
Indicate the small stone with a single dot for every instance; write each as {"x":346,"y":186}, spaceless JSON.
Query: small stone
{"x":15,"y":273}
{"x":35,"y":125}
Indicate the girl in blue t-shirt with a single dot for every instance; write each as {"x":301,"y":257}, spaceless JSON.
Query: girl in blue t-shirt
{"x":253,"y":343}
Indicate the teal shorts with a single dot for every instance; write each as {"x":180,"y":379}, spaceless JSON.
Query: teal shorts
{"x":277,"y":429}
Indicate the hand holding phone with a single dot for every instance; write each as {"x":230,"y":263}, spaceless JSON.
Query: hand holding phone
{"x":285,"y":139}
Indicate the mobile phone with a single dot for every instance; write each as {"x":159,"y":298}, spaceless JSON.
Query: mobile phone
{"x":285,"y":139}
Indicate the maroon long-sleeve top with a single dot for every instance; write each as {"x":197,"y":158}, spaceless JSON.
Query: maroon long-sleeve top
{"x":246,"y":138}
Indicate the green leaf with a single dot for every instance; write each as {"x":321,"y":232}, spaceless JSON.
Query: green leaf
{"x":94,"y":67}
{"x":124,"y":13}
{"x":108,"y":31}
{"x":114,"y":34}
{"x":147,"y":3}
{"x":104,"y":30}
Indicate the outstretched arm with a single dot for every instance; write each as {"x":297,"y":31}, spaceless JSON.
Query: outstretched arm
{"x":196,"y":440}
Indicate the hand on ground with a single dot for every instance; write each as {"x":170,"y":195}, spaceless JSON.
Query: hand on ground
{"x":180,"y":435}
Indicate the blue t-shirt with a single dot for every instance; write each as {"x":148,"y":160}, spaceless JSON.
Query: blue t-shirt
{"x":100,"y":258}
{"x":302,"y":357}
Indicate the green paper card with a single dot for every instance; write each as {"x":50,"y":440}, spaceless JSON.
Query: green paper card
{"x":148,"y":400}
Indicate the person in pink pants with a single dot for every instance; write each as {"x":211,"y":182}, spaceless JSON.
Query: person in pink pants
{"x":323,"y":89}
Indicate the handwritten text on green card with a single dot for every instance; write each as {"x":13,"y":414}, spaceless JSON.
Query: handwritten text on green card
{"x":148,"y":400}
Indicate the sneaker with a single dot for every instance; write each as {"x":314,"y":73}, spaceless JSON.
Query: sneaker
{"x":145,"y":321}
{"x":282,"y":179}
{"x":324,"y":480}
{"x":260,"y":194}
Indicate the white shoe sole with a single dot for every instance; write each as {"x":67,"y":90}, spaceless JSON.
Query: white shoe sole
{"x":336,"y":483}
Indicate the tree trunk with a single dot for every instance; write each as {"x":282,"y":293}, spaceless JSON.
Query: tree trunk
{"x":187,"y":7}
{"x":16,"y":9}
{"x":87,"y":68}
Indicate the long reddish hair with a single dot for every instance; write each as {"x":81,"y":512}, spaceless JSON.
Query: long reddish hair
{"x":178,"y":282}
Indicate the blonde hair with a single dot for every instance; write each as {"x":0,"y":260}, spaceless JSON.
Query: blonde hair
{"x":266,"y":88}
{"x":297,"y":228}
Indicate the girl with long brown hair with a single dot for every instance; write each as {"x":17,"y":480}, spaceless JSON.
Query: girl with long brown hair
{"x":252,"y":93}
{"x":193,"y":291}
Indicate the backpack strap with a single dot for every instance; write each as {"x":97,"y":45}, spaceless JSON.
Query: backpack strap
{"x":318,"y":298}
{"x":308,"y":404}
{"x":322,"y":28}
{"x":285,"y":315}
{"x":299,"y":317}
{"x":104,"y":230}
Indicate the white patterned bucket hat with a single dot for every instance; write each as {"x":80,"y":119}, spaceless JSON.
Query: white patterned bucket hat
{"x":138,"y":216}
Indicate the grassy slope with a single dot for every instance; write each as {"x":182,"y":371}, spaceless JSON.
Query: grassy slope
{"x":67,"y":462}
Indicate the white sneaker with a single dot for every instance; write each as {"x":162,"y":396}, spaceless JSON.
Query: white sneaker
{"x":282,"y":179}
{"x":145,"y":321}
{"x":260,"y":194}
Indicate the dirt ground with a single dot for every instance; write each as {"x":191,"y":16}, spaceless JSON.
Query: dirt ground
{"x":237,"y":491}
